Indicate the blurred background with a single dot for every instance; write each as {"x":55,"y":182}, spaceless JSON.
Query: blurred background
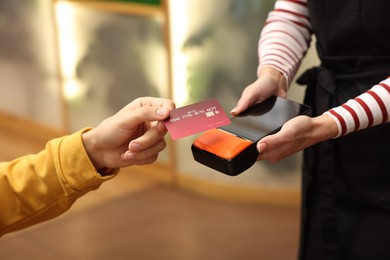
{"x":66,"y":65}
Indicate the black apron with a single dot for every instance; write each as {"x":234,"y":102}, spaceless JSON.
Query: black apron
{"x":346,"y":181}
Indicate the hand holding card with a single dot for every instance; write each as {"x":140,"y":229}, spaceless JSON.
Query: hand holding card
{"x":195,"y":118}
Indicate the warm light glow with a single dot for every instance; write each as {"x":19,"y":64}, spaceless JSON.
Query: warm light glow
{"x":68,"y":47}
{"x":72,"y":89}
{"x":179,"y":26}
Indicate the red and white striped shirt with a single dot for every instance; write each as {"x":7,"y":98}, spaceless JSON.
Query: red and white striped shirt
{"x":283,"y":43}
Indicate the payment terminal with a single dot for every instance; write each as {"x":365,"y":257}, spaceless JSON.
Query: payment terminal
{"x":231,"y":149}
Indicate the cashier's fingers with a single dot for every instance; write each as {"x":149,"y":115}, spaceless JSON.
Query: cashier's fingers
{"x":248,"y":98}
{"x":272,"y":150}
{"x":276,"y":147}
{"x":267,"y":154}
{"x":295,"y":135}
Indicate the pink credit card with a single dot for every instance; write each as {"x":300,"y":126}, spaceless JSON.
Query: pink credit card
{"x":196,"y":118}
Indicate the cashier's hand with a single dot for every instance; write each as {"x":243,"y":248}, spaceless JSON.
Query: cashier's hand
{"x":269,"y":83}
{"x":133,"y":136}
{"x":296,"y":135}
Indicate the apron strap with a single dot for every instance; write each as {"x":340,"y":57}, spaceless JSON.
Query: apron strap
{"x":320,"y":88}
{"x":319,"y":95}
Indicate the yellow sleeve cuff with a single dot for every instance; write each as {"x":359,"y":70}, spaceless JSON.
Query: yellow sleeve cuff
{"x":74,"y":166}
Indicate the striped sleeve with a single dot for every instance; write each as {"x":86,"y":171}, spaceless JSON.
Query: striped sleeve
{"x":368,"y":109}
{"x":285,"y":37}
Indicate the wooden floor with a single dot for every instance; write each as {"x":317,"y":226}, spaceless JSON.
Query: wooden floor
{"x":161,"y":223}
{"x":137,"y":217}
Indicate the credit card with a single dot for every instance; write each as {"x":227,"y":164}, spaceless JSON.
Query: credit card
{"x":195,"y":118}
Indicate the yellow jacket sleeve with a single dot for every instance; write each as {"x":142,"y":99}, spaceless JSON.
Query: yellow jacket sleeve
{"x":38,"y":187}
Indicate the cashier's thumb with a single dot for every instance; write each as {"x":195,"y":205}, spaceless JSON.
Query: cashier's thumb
{"x":261,"y":147}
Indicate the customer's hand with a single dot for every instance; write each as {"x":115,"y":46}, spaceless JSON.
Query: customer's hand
{"x":133,"y":136}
